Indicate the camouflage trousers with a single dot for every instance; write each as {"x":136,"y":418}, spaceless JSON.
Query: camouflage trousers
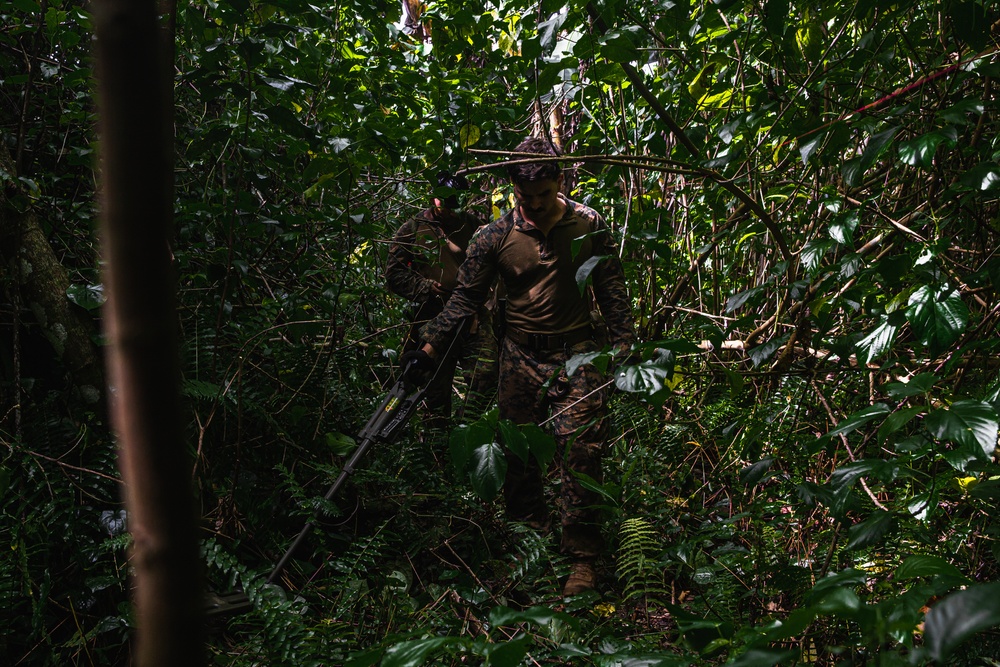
{"x":533,"y":386}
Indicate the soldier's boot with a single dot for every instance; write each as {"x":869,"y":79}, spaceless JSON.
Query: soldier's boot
{"x":582,"y":577}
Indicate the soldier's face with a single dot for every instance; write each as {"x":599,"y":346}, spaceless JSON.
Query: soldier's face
{"x":538,"y":200}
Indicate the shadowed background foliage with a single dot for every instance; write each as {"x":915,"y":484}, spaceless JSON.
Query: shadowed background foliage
{"x":805,"y":198}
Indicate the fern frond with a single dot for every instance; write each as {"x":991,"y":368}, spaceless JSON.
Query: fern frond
{"x":638,"y":568}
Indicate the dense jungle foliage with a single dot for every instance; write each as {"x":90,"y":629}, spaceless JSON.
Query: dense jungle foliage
{"x":806,"y":200}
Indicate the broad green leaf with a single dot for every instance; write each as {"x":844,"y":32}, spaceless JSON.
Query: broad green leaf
{"x":736,"y":382}
{"x":840,"y":601}
{"x":859,"y":418}
{"x":958,"y":114}
{"x":813,"y":253}
{"x":467,"y":438}
{"x":509,"y":653}
{"x":283,"y":83}
{"x":541,"y":445}
{"x":513,"y":439}
{"x":754,"y":472}
{"x":90,"y":297}
{"x":919,"y":152}
{"x":469,"y":135}
{"x":339,"y":443}
{"x":717,"y":101}
{"x":609,"y":491}
{"x":736,"y":301}
{"x":842,"y":227}
{"x":845,"y":476}
{"x":489,"y":468}
{"x":698,"y":631}
{"x":880,"y":340}
{"x":875,"y":147}
{"x":987,"y":489}
{"x":852,"y":171}
{"x":365,"y":658}
{"x":619,"y":47}
{"x":731,"y":131}
{"x":762,"y":657}
{"x":348,"y":53}
{"x":938,"y":316}
{"x":792,"y":625}
{"x":849,"y":265}
{"x":548,"y":30}
{"x":676,"y":345}
{"x":960,"y":458}
{"x":585,"y":270}
{"x":849,"y":577}
{"x":287,"y":121}
{"x":894,"y":268}
{"x":531,"y":48}
{"x":775,"y":16}
{"x":541,"y":617}
{"x":970,"y":423}
{"x":808,"y":147}
{"x":898,"y":420}
{"x":919,"y":384}
{"x":871,"y":531}
{"x":652,"y":380}
{"x":924,"y":565}
{"x":809,"y":38}
{"x":702,"y":82}
{"x":598,"y":359}
{"x":984,"y":176}
{"x":956,"y":618}
{"x":763,"y":352}
{"x":971,"y":23}
{"x":415,"y":653}
{"x":630,"y":657}
{"x":841,"y":482}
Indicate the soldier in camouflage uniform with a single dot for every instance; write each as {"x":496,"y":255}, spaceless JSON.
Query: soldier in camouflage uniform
{"x":422,"y":267}
{"x":548,"y":320}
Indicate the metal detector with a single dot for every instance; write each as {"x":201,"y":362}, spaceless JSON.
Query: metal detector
{"x":384,"y":426}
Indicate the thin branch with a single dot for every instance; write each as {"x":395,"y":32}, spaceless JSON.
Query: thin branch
{"x":649,"y":162}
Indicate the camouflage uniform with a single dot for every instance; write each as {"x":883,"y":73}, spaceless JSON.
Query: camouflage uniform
{"x":548,"y":321}
{"x":427,"y":250}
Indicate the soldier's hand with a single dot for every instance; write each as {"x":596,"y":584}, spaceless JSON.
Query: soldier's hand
{"x":418,"y":367}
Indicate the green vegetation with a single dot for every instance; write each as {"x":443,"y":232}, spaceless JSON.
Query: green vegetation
{"x":803,"y":469}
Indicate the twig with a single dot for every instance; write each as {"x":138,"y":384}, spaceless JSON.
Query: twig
{"x":73,"y":467}
{"x":847,"y":447}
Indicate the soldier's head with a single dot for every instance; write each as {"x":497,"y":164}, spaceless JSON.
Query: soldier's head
{"x":537,"y":185}
{"x":528,"y":172}
{"x":449,"y":186}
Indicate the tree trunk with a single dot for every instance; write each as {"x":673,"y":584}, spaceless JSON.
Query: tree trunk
{"x":40,"y":282}
{"x":140,"y":322}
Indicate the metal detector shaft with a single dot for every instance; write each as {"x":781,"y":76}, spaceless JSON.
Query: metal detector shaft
{"x":384,"y":426}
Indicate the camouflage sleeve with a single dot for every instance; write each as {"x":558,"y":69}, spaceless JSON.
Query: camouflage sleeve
{"x":476,"y":278}
{"x":609,"y":289}
{"x":401,"y":274}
